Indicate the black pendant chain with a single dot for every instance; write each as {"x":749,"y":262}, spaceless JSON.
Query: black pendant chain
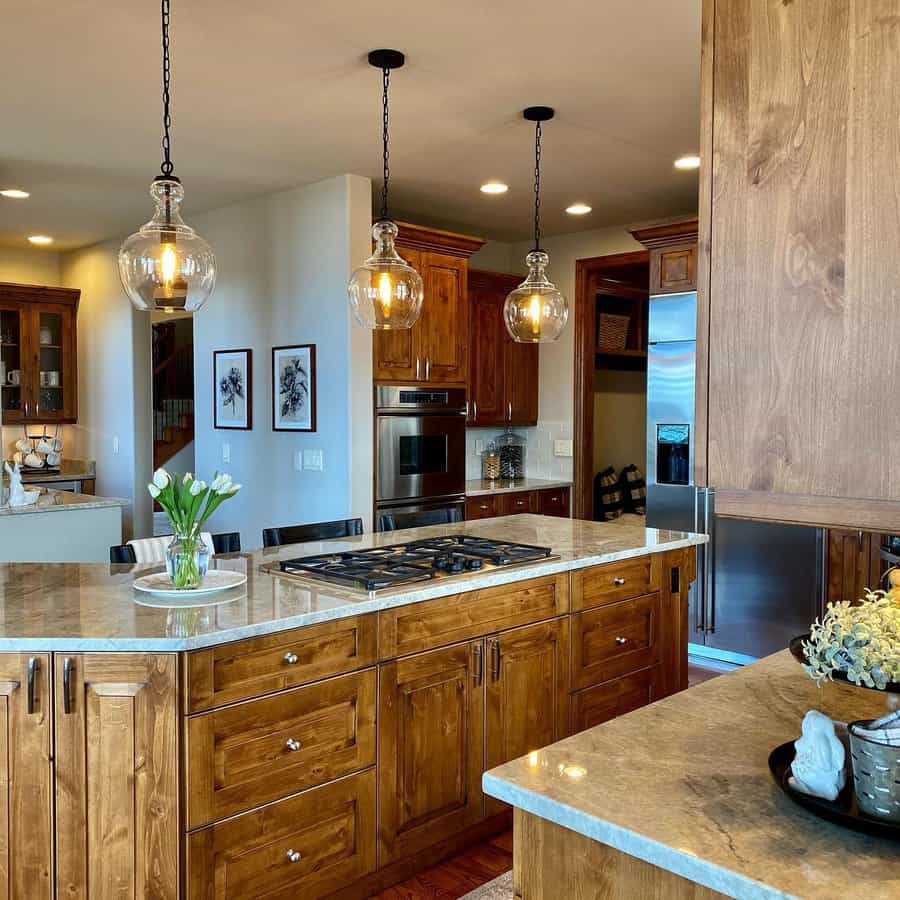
{"x":386,"y":84}
{"x":167,"y":166}
{"x":537,"y":185}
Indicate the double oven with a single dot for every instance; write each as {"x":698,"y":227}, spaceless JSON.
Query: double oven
{"x":420,"y":446}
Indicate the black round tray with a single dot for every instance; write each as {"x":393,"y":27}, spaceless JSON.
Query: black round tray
{"x":796,"y":648}
{"x":842,"y":811}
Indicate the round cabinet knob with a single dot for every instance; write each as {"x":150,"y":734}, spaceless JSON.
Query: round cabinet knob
{"x":293,"y":745}
{"x":293,"y":855}
{"x":291,"y":659}
{"x":621,"y":640}
{"x":619,"y":581}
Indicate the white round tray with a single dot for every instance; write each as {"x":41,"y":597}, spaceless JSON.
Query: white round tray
{"x":215,"y":581}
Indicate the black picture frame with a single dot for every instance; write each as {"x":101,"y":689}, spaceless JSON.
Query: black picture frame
{"x":244,"y":423}
{"x":294,"y":420}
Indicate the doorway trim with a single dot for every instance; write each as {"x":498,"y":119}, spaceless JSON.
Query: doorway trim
{"x":589,"y":275}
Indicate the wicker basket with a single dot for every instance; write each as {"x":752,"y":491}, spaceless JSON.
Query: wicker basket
{"x":612,"y":332}
{"x":876,"y":773}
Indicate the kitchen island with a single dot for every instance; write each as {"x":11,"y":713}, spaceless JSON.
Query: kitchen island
{"x":676,"y":801}
{"x":228,"y":749}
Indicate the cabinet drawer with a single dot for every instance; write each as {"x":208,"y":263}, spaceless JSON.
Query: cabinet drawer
{"x":615,"y":581}
{"x":305,"y":846}
{"x":258,"y":751}
{"x":518,"y":502}
{"x":460,"y":617}
{"x":603,"y":702}
{"x":246,"y":669}
{"x":611,"y":640}
{"x":554,"y":502}
{"x":482,"y":507}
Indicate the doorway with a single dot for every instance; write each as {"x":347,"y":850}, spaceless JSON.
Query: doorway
{"x":611,"y":305}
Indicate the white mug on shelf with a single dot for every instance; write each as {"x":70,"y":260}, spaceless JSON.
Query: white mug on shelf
{"x":46,"y":336}
{"x":44,"y":445}
{"x":52,"y":378}
{"x":2,"y":371}
{"x":45,"y":379}
{"x":14,"y":376}
{"x":53,"y":459}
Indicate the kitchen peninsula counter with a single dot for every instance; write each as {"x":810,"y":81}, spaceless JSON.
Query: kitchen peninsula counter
{"x":81,"y":607}
{"x":684,"y":786}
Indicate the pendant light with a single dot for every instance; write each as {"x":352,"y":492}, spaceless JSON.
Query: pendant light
{"x":385,"y":292}
{"x":536,"y":312}
{"x":166,"y":265}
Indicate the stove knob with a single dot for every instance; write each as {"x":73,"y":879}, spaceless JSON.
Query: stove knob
{"x":474,"y":564}
{"x":458,"y":565}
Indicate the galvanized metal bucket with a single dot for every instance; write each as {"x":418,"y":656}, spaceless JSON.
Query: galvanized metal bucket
{"x":876,"y":775}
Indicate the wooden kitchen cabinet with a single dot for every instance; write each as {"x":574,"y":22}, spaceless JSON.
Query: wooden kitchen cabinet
{"x":430,"y":747}
{"x":673,"y":255}
{"x":798,"y":327}
{"x":116,"y":767}
{"x":26,"y":777}
{"x":527,"y":686}
{"x":853,"y":564}
{"x":547,"y":502}
{"x":436,"y":349}
{"x":38,"y":340}
{"x":503,"y":377}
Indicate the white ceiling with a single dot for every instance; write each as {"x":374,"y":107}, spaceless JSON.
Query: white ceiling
{"x":276,"y":93}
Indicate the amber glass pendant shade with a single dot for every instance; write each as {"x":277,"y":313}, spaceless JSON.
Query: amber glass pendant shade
{"x":536,"y":312}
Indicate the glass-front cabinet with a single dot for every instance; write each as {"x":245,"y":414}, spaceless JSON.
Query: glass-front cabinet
{"x":38,"y":346}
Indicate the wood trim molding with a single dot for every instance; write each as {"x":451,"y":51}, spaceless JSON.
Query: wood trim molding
{"x":667,"y":234}
{"x":36,"y":293}
{"x":587,"y":273}
{"x":828,"y":512}
{"x":435,"y":240}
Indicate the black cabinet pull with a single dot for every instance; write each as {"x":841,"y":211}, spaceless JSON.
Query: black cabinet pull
{"x":67,"y":685}
{"x":33,"y":666}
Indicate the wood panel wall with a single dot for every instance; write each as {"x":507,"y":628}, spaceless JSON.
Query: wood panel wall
{"x":800,"y":225}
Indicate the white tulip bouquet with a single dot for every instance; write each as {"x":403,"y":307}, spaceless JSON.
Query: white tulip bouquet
{"x":189,"y":502}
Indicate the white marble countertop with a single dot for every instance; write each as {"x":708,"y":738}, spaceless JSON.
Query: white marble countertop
{"x":94,"y":607}
{"x":52,"y":501}
{"x":69,"y":470}
{"x":479,"y":487}
{"x":684,"y":784}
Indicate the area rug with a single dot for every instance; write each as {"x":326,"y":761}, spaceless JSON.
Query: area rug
{"x":499,"y":889}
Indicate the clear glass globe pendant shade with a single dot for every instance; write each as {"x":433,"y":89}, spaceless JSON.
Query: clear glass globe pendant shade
{"x":536,"y":312}
{"x":166,"y":265}
{"x":385,"y":292}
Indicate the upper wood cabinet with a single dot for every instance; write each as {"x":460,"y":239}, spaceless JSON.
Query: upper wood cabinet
{"x":38,"y":354}
{"x":798,"y":270}
{"x":503,"y":374}
{"x":436,"y":349}
{"x":673,"y":255}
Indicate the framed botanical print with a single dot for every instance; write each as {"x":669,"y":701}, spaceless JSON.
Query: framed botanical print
{"x":294,"y":388}
{"x":233,"y":389}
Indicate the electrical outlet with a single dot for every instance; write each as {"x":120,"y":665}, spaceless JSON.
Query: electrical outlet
{"x":562,"y":448}
{"x":314,"y":460}
{"x":226,"y":453}
{"x":115,"y":445}
{"x":298,"y":461}
{"x":479,"y":446}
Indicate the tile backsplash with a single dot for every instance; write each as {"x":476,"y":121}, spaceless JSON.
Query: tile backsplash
{"x":539,"y":459}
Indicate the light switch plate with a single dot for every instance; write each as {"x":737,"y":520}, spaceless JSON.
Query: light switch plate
{"x":313,"y":460}
{"x":479,"y":446}
{"x":226,"y":453}
{"x":562,"y":448}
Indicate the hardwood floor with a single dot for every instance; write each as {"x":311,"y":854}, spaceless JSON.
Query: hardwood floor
{"x":458,"y":875}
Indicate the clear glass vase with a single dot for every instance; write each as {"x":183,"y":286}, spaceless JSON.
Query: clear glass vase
{"x":187,"y":559}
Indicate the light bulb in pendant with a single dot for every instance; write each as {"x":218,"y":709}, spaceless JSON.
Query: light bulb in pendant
{"x":536,"y":312}
{"x":385,"y":292}
{"x":166,"y":265}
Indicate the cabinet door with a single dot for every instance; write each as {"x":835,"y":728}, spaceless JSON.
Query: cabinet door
{"x":526,"y":698}
{"x":26,"y":830}
{"x":395,"y":353}
{"x":484,"y":506}
{"x":444,"y":325}
{"x":521,"y":382}
{"x":603,"y":702}
{"x":430,"y":748}
{"x":673,"y":269}
{"x":53,"y":374}
{"x":554,"y":502}
{"x":488,"y":344}
{"x":518,"y":502}
{"x":15,"y":354}
{"x":117,"y":818}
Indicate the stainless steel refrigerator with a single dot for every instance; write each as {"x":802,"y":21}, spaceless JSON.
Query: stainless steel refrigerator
{"x":758,"y":584}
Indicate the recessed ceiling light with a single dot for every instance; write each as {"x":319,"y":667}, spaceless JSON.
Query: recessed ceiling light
{"x":14,"y":194}
{"x":494,"y":187}
{"x":578,"y":209}
{"x":42,"y":239}
{"x":687,"y":162}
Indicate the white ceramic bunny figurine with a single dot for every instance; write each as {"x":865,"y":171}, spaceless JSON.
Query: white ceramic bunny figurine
{"x":16,"y":491}
{"x":819,"y":766}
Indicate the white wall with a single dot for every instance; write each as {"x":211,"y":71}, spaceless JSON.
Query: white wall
{"x":27,"y":266}
{"x":620,"y":419}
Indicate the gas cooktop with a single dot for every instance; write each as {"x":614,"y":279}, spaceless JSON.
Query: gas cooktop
{"x":423,"y":560}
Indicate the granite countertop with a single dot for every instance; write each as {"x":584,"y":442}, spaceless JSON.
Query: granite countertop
{"x":94,"y":607}
{"x":69,"y":470}
{"x":479,"y":487}
{"x":51,"y":501}
{"x":684,"y":784}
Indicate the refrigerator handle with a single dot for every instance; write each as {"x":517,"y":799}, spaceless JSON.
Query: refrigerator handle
{"x":710,"y":615}
{"x":702,"y":552}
